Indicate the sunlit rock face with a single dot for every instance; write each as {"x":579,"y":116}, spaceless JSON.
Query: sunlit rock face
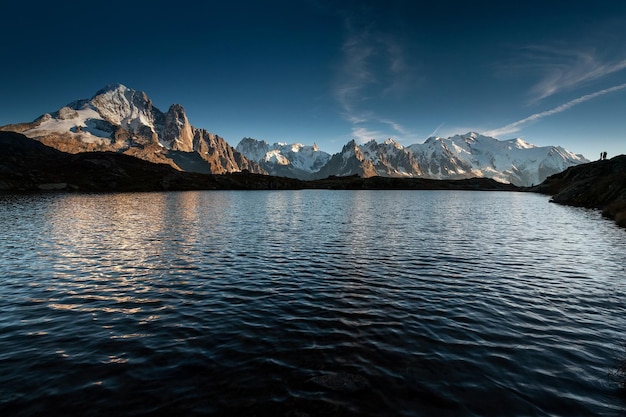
{"x":463,"y":156}
{"x":177,"y":133}
{"x":282,"y":159}
{"x":120,"y":119}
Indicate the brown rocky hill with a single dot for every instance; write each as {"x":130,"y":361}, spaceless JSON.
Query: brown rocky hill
{"x":27,"y":165}
{"x":599,"y":184}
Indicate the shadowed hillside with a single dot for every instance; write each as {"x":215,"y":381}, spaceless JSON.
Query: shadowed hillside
{"x":600,"y":184}
{"x":28,"y":165}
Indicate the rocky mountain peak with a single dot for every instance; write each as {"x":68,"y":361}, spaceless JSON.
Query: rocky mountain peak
{"x":351,"y":146}
{"x":120,"y":119}
{"x":177,"y":131}
{"x":253,"y":149}
{"x":125,"y":107}
{"x":283,"y":159}
{"x":393,"y":143}
{"x":110,"y":88}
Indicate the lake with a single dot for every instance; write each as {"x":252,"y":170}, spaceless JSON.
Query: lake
{"x":309,"y":303}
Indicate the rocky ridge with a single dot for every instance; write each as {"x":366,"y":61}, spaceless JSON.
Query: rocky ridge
{"x":463,"y":156}
{"x":27,"y":165}
{"x":286,"y":160}
{"x":120,"y":119}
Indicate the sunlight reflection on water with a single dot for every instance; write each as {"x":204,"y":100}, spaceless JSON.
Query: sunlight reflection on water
{"x":308,"y":302}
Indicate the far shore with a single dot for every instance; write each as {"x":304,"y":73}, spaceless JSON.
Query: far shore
{"x":27,"y":166}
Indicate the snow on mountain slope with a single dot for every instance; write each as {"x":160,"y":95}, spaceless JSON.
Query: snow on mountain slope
{"x":84,"y":122}
{"x":514,"y":160}
{"x":122,"y":106}
{"x":120,"y":119}
{"x":292,"y":160}
{"x":463,"y":156}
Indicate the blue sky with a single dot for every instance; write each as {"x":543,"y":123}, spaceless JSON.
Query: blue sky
{"x":552,"y":73}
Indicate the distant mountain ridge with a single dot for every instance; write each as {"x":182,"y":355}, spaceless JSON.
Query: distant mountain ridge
{"x":287,"y":160}
{"x":120,"y":119}
{"x":462,"y":156}
{"x":123,"y":120}
{"x":28,"y":165}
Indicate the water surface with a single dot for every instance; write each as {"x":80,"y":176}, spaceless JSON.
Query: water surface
{"x":312,"y":302}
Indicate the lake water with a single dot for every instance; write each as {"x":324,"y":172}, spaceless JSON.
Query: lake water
{"x":309,"y":303}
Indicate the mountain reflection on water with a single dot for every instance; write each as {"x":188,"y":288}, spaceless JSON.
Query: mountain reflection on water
{"x":306,"y":303}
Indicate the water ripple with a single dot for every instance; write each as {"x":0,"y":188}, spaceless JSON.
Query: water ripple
{"x":305,"y":303}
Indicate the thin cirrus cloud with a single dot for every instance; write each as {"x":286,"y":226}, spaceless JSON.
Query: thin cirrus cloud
{"x":373,"y":69}
{"x":566,"y":69}
{"x":363,"y":134}
{"x":355,"y":76}
{"x":434,"y":132}
{"x":561,"y":70}
{"x":517,"y":126}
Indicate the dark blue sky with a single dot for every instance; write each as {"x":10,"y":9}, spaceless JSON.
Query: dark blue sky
{"x":553,"y":73}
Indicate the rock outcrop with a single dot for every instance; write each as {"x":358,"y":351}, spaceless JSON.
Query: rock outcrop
{"x":120,"y":119}
{"x":599,"y":184}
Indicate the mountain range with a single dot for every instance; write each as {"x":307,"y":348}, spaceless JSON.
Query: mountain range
{"x":120,"y":119}
{"x":463,"y":156}
{"x":123,"y":120}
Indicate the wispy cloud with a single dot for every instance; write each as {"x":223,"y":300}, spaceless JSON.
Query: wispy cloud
{"x":565,"y":69}
{"x":373,"y":70}
{"x":380,"y":129}
{"x":398,"y":129}
{"x":436,"y":130}
{"x":355,"y":75}
{"x":517,"y":126}
{"x":363,"y":134}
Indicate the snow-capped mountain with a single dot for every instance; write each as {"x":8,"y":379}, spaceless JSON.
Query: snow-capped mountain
{"x":286,"y":160}
{"x":473,"y":155}
{"x":121,"y":119}
{"x":388,"y":159}
{"x":463,"y":156}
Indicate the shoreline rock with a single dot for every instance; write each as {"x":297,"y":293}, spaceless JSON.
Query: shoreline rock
{"x":600,"y":185}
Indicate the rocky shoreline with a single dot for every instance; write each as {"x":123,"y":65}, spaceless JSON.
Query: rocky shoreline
{"x":27,"y":165}
{"x":599,"y":185}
